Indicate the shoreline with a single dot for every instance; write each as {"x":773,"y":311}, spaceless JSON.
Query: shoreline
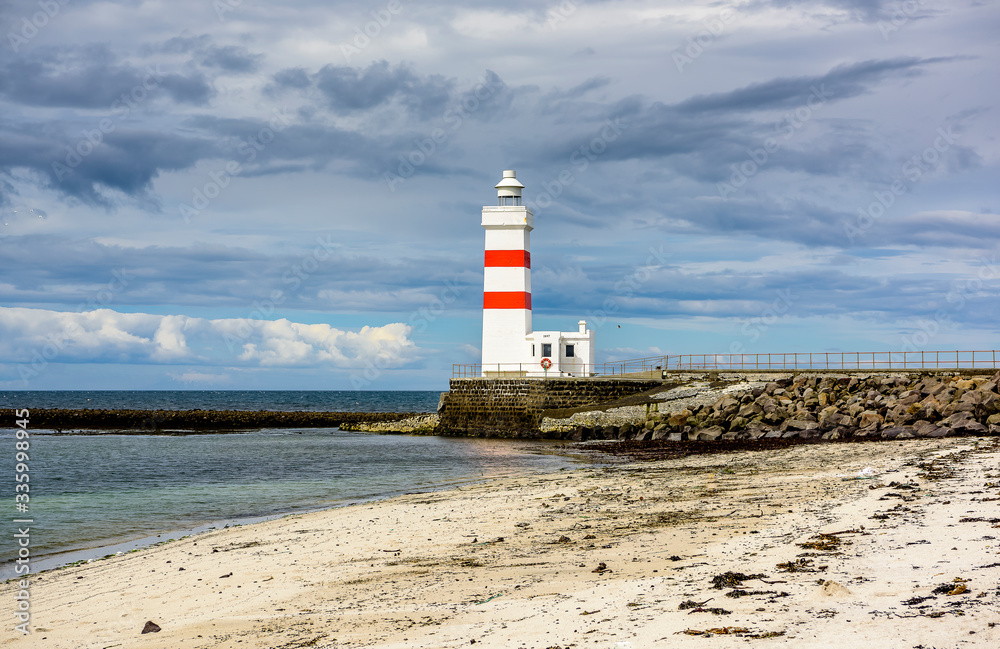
{"x":104,"y":548}
{"x":592,"y":557}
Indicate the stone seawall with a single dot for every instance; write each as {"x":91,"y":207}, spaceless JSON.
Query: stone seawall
{"x":514,"y":407}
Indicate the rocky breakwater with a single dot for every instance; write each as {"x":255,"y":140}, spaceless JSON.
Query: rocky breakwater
{"x":152,"y":422}
{"x":823,"y":406}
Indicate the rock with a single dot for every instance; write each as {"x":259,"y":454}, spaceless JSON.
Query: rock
{"x":869,"y":418}
{"x":965,"y":384}
{"x":749,"y":410}
{"x":643,"y":435}
{"x":710,"y":434}
{"x":868,"y":431}
{"x":676,"y":437}
{"x":660,"y":433}
{"x":826,"y":414}
{"x":900,"y":432}
{"x":151,"y":627}
{"x":660,"y":426}
{"x":963,"y":422}
{"x":725,"y":403}
{"x":798,"y":424}
{"x":986,"y":400}
{"x":900,"y":414}
{"x":738,"y":423}
{"x":679,"y":418}
{"x":824,"y":399}
{"x":994,"y":429}
{"x":993,"y":419}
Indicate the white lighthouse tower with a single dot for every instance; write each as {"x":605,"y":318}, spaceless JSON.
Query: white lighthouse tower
{"x":510,"y":347}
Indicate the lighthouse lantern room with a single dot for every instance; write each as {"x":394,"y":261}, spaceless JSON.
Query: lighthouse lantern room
{"x":510,"y":346}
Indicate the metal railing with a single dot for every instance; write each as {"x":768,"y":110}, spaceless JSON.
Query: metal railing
{"x":837,"y":361}
{"x":650,"y":365}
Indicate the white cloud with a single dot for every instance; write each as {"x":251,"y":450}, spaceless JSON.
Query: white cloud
{"x":104,"y":335}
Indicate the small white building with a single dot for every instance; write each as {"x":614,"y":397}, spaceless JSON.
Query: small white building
{"x":510,"y":346}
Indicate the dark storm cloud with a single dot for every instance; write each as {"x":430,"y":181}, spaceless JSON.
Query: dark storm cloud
{"x":297,"y":78}
{"x":89,"y":77}
{"x":865,"y":10}
{"x":302,"y":146}
{"x":231,"y":58}
{"x":221,"y":276}
{"x":842,"y":82}
{"x":126,"y":161}
{"x":352,"y":90}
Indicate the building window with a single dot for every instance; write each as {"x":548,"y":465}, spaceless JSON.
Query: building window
{"x":546,"y":349}
{"x":532,"y":351}
{"x":570,"y":351}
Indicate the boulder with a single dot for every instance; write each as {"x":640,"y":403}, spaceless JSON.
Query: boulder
{"x":738,"y":423}
{"x":798,"y":424}
{"x":898,"y":432}
{"x":710,"y":434}
{"x":749,"y":410}
{"x":725,"y":403}
{"x":679,"y":418}
{"x":964,"y":423}
{"x":869,"y":418}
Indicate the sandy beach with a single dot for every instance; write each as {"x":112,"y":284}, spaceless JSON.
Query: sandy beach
{"x":627,"y":555}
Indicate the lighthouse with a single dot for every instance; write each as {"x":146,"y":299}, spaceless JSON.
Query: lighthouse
{"x":510,"y":346}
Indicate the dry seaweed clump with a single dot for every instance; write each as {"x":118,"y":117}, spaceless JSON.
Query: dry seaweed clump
{"x":733,"y":579}
{"x":823,"y":543}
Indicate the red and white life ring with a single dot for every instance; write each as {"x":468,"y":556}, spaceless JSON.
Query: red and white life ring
{"x":546,"y":363}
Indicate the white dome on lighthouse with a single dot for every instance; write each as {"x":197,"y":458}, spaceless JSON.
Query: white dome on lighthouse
{"x":509,"y":185}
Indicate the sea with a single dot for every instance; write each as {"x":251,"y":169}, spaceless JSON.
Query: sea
{"x":92,"y":495}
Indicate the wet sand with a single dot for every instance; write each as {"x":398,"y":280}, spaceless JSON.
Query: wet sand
{"x":594,"y":557}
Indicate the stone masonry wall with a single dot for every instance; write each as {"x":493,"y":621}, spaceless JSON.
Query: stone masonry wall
{"x":513,"y":407}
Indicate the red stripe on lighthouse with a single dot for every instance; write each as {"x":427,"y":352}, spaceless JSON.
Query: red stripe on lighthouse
{"x":506,"y":300}
{"x":508,"y":258}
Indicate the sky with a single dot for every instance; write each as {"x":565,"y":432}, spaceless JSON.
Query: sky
{"x":249,"y":194}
